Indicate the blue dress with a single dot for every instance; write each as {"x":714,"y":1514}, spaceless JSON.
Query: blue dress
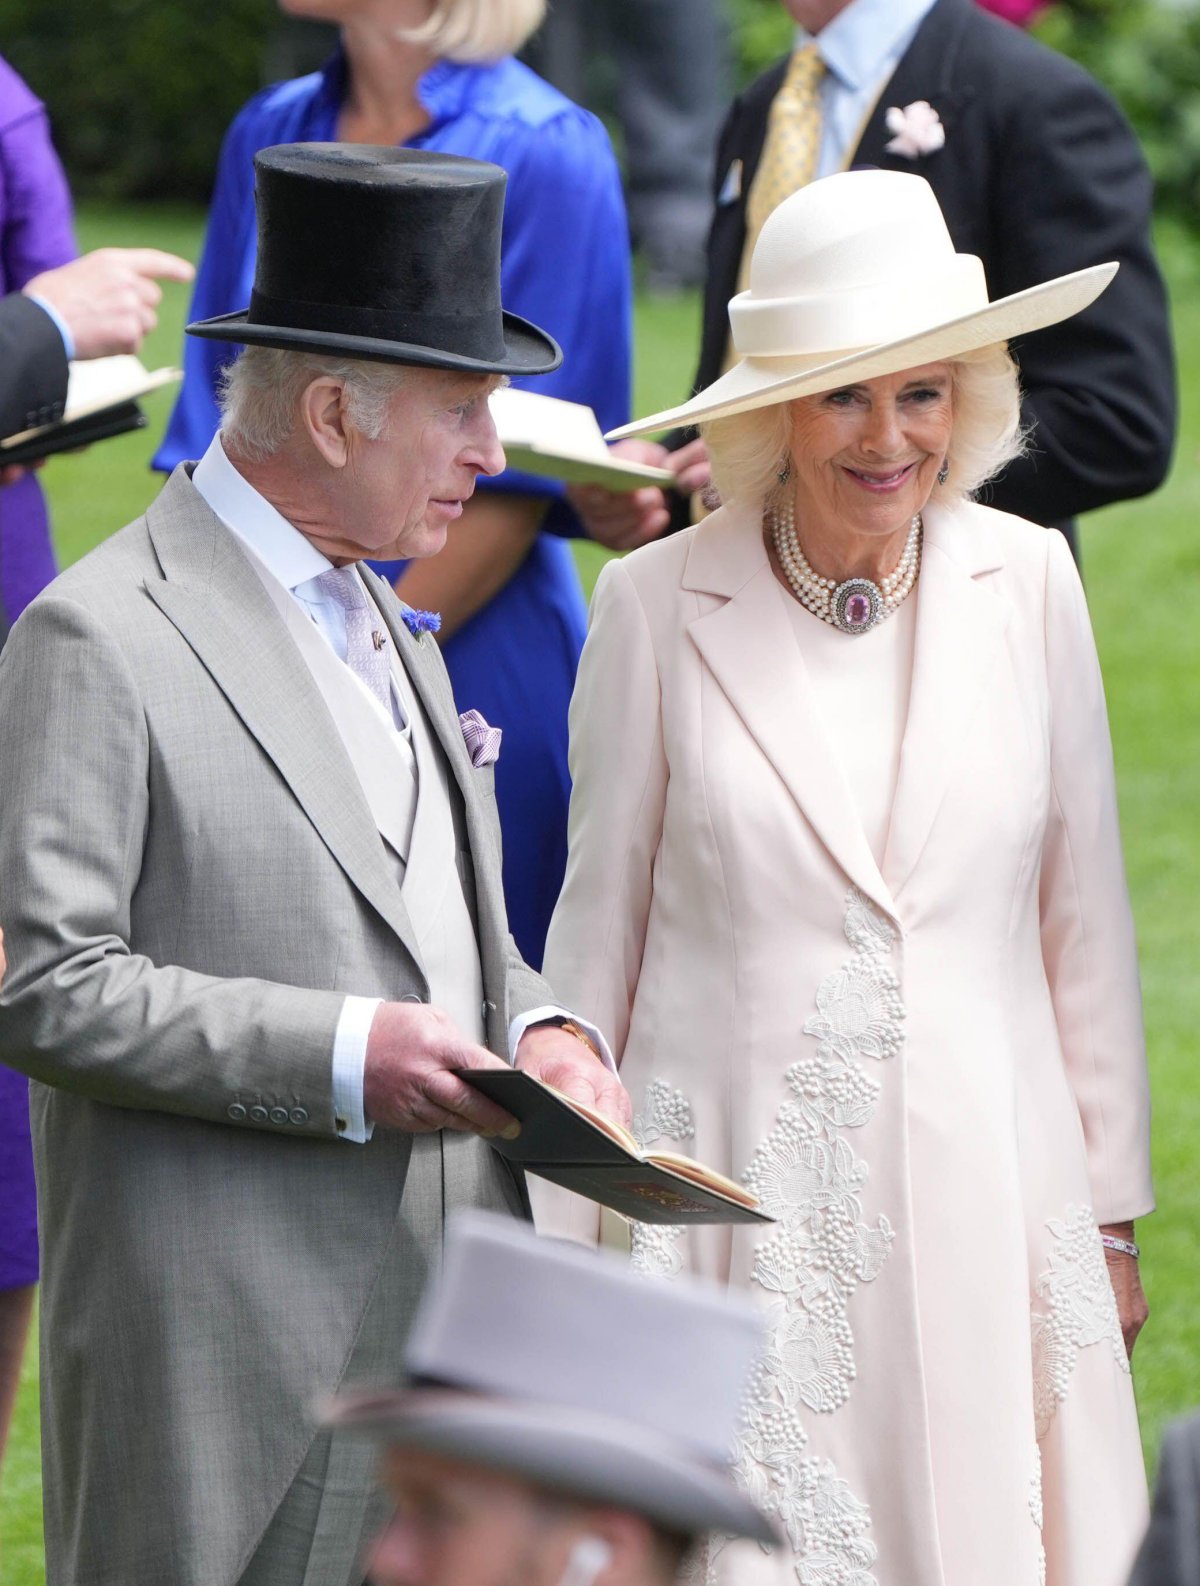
{"x":565,"y":265}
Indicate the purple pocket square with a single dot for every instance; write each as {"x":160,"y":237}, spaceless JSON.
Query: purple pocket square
{"x":482,"y":741}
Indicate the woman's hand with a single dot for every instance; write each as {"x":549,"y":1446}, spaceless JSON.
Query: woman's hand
{"x":1126,"y":1281}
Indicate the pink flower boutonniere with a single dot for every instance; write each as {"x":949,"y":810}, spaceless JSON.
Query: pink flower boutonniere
{"x":917,"y":130}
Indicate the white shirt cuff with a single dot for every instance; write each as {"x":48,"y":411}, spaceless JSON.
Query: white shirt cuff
{"x":60,"y":323}
{"x":349,"y":1060}
{"x":523,"y":1021}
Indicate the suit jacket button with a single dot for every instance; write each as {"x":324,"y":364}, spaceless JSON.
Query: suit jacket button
{"x":258,"y":1113}
{"x":412,"y":996}
{"x":279,"y":1115}
{"x":235,"y":1111}
{"x":297,"y":1116}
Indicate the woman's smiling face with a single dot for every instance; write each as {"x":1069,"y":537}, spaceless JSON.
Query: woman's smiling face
{"x":865,"y":457}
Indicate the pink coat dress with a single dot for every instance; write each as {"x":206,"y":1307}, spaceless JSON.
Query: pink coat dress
{"x":931,"y":1069}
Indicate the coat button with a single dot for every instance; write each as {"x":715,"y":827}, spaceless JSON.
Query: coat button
{"x":235,"y":1111}
{"x":279,"y":1115}
{"x":297,"y":1116}
{"x":258,"y":1113}
{"x":412,"y":996}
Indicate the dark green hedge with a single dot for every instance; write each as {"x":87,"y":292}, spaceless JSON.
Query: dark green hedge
{"x":140,"y":91}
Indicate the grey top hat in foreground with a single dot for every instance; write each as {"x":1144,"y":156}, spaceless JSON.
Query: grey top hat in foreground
{"x":561,"y":1365}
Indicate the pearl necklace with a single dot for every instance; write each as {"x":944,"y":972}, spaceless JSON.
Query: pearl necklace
{"x":857,"y":604}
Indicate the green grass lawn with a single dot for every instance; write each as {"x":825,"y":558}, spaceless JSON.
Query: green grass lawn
{"x":1143,"y":570}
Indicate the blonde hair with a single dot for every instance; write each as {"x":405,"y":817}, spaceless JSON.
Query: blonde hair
{"x":478,"y":30}
{"x":748,"y":451}
{"x":258,"y":394}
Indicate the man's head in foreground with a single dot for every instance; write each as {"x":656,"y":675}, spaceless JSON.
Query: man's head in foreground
{"x":565,"y":1423}
{"x":374,"y":335}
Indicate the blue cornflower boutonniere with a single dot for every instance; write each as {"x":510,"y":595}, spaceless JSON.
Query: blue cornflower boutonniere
{"x":419,"y":622}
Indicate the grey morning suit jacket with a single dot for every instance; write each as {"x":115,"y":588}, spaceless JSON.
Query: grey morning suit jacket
{"x":190,"y":882}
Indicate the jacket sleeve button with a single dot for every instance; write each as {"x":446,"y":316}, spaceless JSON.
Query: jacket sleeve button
{"x":412,"y":996}
{"x":297,"y":1116}
{"x":258,"y":1113}
{"x":235,"y":1111}
{"x":279,"y":1115}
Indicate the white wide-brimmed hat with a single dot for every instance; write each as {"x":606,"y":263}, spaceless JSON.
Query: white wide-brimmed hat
{"x":562,"y":1365}
{"x":856,"y":276}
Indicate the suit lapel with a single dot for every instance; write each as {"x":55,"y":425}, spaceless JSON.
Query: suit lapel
{"x":214,"y":597}
{"x":748,"y":644}
{"x":926,"y":70}
{"x":960,"y":626}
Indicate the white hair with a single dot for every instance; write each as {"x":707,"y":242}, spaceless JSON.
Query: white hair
{"x":748,"y":451}
{"x":478,"y":30}
{"x":260,"y":390}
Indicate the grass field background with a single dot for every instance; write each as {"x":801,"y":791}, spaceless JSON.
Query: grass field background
{"x":1142,"y":564}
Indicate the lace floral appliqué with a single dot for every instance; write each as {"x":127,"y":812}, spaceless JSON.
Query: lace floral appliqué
{"x":807,"y":1175}
{"x":1074,"y":1308}
{"x":666,"y":1114}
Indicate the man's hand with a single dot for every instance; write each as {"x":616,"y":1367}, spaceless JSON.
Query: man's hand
{"x":550,"y":1054}
{"x":623,"y":520}
{"x":1126,"y":1281}
{"x":409,"y":1081}
{"x":108,"y":298}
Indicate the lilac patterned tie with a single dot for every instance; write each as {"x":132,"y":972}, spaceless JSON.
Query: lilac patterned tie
{"x":366,"y":637}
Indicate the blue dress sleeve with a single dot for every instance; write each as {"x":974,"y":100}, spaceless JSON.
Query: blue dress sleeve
{"x":566,"y":266}
{"x":223,"y":280}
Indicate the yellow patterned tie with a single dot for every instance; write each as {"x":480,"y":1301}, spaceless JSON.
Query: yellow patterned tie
{"x":791,"y":147}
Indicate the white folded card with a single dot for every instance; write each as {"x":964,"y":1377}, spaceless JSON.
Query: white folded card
{"x":94,"y":387}
{"x":543,"y":435}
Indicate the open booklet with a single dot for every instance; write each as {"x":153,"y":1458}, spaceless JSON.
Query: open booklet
{"x":545,"y":435}
{"x":575,"y":1146}
{"x":102,"y":400}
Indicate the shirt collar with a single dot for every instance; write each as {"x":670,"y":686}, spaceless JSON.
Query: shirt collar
{"x":282,"y":549}
{"x":867,"y":37}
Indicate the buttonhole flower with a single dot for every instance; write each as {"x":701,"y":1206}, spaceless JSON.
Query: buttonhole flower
{"x":419,"y":622}
{"x":917,"y":130}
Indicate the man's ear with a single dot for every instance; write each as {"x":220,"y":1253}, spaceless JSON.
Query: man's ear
{"x":324,"y":419}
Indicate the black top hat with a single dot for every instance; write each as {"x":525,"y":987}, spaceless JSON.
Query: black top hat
{"x":386,"y":254}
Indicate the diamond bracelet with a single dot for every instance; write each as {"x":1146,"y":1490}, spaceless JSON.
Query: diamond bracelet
{"x":1125,"y":1246}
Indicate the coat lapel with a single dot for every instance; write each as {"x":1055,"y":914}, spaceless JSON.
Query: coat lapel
{"x":748,"y":644}
{"x":960,"y":626}
{"x":213,"y":596}
{"x":926,"y":70}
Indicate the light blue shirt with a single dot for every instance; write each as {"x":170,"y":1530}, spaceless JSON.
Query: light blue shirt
{"x":861,"y":49}
{"x":60,"y":324}
{"x":294,"y":561}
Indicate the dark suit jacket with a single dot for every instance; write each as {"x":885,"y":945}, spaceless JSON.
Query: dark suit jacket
{"x":1040,"y":175}
{"x":33,"y":366}
{"x":1170,"y":1555}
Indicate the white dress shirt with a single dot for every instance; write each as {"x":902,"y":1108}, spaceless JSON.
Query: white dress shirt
{"x":861,"y":49}
{"x":295,"y":563}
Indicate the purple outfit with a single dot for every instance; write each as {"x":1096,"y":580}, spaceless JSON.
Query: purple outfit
{"x":36,"y":234}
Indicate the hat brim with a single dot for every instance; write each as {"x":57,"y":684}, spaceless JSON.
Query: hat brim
{"x":582,"y":1455}
{"x":527,"y":350}
{"x":762,"y":382}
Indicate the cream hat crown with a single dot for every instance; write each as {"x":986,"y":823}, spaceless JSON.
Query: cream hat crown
{"x":856,"y":276}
